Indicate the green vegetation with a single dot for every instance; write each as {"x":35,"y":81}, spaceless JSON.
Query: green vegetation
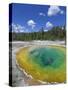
{"x":56,"y":33}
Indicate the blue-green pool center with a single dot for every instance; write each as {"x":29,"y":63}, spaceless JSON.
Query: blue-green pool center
{"x":45,"y":63}
{"x":47,"y":56}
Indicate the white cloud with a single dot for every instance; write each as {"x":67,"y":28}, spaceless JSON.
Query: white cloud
{"x":42,"y":14}
{"x":31,"y":23}
{"x":53,"y":10}
{"x":17,"y":28}
{"x":45,"y":30}
{"x":20,"y":27}
{"x":62,"y":12}
{"x":49,"y":25}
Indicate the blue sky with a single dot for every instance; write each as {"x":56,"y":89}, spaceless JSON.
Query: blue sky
{"x":29,"y":18}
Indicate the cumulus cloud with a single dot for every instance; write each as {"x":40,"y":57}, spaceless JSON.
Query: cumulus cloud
{"x":31,"y":23}
{"x":49,"y":25}
{"x":42,"y":14}
{"x":17,"y":28}
{"x":62,"y":12}
{"x":45,"y":30}
{"x":53,"y":10}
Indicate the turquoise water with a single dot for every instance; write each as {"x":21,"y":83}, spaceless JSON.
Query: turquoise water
{"x":47,"y":56}
{"x":45,"y":63}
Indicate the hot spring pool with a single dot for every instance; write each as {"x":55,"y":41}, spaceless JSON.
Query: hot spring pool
{"x":44,"y":63}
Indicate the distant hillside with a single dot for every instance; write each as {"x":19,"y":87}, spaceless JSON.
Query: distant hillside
{"x":56,"y":33}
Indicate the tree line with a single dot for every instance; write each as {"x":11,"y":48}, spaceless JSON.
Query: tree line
{"x":56,"y":33}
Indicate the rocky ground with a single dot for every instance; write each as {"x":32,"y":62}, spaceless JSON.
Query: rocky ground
{"x":18,"y":77}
